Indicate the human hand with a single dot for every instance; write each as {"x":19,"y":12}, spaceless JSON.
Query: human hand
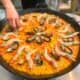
{"x":12,"y":16}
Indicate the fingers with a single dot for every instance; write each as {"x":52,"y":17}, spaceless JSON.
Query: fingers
{"x":14,"y":22}
{"x":17,"y":21}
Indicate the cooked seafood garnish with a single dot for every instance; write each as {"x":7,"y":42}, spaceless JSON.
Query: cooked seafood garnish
{"x":69,"y":43}
{"x":42,"y":18}
{"x":19,"y":52}
{"x":9,"y":50}
{"x":68,"y":39}
{"x":23,"y":20}
{"x":39,"y":29}
{"x":66,"y":29}
{"x":22,"y":23}
{"x":38,"y":39}
{"x":40,"y":33}
{"x":33,"y":15}
{"x":13,"y":47}
{"x":48,"y":58}
{"x":45,"y":38}
{"x":54,"y":55}
{"x":31,"y":38}
{"x":39,"y":36}
{"x":29,"y":59}
{"x":66,"y":49}
{"x":21,"y":61}
{"x":29,"y":33}
{"x":63,"y":53}
{"x":69,"y":36}
{"x":38,"y":60}
{"x":11,"y":41}
{"x":53,"y":21}
{"x":6,"y":36}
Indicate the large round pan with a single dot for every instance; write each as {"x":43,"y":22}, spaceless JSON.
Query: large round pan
{"x":66,"y":18}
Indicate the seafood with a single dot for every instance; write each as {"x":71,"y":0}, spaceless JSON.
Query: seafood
{"x":44,"y":44}
{"x":39,"y":36}
{"x":42,"y":18}
{"x":29,"y":59}
{"x":6,"y":36}
{"x":63,"y":53}
{"x":69,"y":43}
{"x":19,"y":52}
{"x":53,"y":21}
{"x":48,"y":58}
{"x":66,"y":29}
{"x":38,"y":60}
{"x":69,"y":36}
{"x":11,"y":41}
{"x":13,"y":47}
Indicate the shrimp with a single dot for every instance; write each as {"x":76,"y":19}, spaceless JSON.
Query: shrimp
{"x":69,"y":43}
{"x":48,"y":58}
{"x":65,"y":54}
{"x":69,"y":36}
{"x":29,"y":59}
{"x":11,"y":41}
{"x":6,"y":36}
{"x":64,"y":30}
{"x":19,"y":52}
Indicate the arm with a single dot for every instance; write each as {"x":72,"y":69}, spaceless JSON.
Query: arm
{"x":11,"y":13}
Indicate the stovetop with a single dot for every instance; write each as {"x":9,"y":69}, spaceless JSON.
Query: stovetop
{"x":73,"y":75}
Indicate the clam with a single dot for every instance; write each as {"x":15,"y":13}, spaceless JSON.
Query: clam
{"x":55,"y":55}
{"x":38,"y":60}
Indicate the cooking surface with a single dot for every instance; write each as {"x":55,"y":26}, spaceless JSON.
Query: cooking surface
{"x":5,"y":75}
